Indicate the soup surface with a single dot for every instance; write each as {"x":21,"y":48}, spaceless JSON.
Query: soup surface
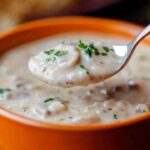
{"x":121,"y":97}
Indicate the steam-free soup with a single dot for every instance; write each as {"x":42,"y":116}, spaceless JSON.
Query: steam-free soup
{"x":123,"y":96}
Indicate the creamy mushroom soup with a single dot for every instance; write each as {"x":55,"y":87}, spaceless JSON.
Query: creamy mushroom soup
{"x":123,"y":96}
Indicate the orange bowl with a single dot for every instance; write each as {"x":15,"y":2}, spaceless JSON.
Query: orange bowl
{"x":21,"y":133}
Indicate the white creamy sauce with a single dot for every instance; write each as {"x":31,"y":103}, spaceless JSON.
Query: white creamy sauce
{"x":123,"y":96}
{"x":78,"y":63}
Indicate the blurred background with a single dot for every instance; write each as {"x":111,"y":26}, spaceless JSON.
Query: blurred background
{"x":13,"y":12}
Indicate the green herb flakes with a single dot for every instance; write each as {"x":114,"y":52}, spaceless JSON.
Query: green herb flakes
{"x":115,"y":116}
{"x":60,"y":53}
{"x":2,"y":90}
{"x":52,"y":54}
{"x":49,"y":52}
{"x":106,"y":50}
{"x":89,"y":49}
{"x":104,"y":54}
{"x":84,"y":68}
{"x":48,"y":100}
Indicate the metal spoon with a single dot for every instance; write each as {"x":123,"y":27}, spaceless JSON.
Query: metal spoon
{"x":118,"y":58}
{"x":126,"y":51}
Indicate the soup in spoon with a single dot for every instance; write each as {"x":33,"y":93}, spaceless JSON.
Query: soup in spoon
{"x":75,"y":64}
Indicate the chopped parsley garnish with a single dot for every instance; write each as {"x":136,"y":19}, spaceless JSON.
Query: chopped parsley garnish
{"x":48,"y":100}
{"x":104,"y":54}
{"x":84,"y":68}
{"x":52,"y":54}
{"x":60,"y":53}
{"x":49,"y":52}
{"x":2,"y":90}
{"x":88,"y":49}
{"x":115,"y":116}
{"x":106,"y":50}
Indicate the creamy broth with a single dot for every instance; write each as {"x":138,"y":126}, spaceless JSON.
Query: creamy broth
{"x":121,"y":97}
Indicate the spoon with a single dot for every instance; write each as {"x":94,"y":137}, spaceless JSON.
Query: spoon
{"x":126,"y":51}
{"x":69,"y":69}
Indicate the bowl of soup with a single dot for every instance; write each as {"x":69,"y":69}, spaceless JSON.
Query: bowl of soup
{"x":109,"y":115}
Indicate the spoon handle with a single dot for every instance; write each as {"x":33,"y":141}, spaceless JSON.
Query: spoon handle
{"x":139,"y":38}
